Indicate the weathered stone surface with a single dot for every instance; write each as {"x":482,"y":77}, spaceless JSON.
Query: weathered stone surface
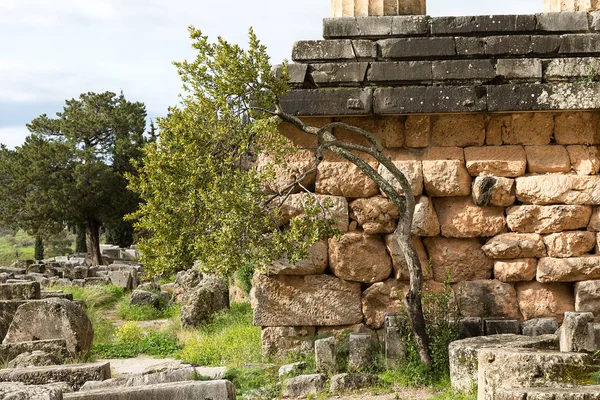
{"x":591,"y":392}
{"x":529,"y":129}
{"x":399,"y":261}
{"x":547,"y":219}
{"x":395,"y":343}
{"x":279,"y":341}
{"x":343,"y":49}
{"x":216,"y":390}
{"x":418,"y":130}
{"x":381,"y":298}
{"x":568,"y":269}
{"x":20,"y":291}
{"x":314,"y":264}
{"x":444,"y":172}
{"x":57,"y":347}
{"x":483,"y":24}
{"x":425,"y":220}
{"x":515,"y":245}
{"x":501,"y":326}
{"x":121,"y":279}
{"x":577,"y":128}
{"x":52,"y":319}
{"x":460,"y":218}
{"x":463,"y":259}
{"x":401,"y":71}
{"x":395,"y":49}
{"x":339,"y":177}
{"x":360,"y":351}
{"x":559,"y":189}
{"x":380,"y":27}
{"x":334,"y":207}
{"x":518,"y":270}
{"x":570,"y":244}
{"x":504,"y":161}
{"x":471,"y":327}
{"x":594,"y":225}
{"x":544,"y":159}
{"x":540,"y":326}
{"x":20,"y":391}
{"x":511,"y":368}
{"x":542,"y":300}
{"x":375,"y":214}
{"x":325,"y":355}
{"x":338,"y":73}
{"x":144,"y":298}
{"x":313,"y":300}
{"x":34,"y":359}
{"x":585,"y":160}
{"x":338,"y":101}
{"x":574,"y":334}
{"x":408,"y":164}
{"x":494,"y":191}
{"x":458,"y":130}
{"x":296,"y":167}
{"x":73,"y":374}
{"x":464,"y":355}
{"x":300,"y":139}
{"x":303,"y":385}
{"x":488,"y":298}
{"x":587,"y":297}
{"x":359,"y":257}
{"x":200,"y":302}
{"x":570,"y":69}
{"x":350,"y":382}
{"x":520,"y":70}
{"x":476,"y":71}
{"x":389,"y":131}
{"x":428,"y":100}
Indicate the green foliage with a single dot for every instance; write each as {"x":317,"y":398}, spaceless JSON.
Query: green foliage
{"x":15,"y":246}
{"x":229,"y":339}
{"x":449,"y":393}
{"x":96,"y":297}
{"x":244,"y":276}
{"x":254,"y":382}
{"x":146,"y":312}
{"x":201,"y":200}
{"x":131,"y":341}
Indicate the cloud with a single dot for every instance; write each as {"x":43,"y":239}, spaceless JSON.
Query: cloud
{"x":13,"y":136}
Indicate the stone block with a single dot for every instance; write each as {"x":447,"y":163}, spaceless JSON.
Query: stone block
{"x":529,"y":129}
{"x":409,"y":165}
{"x":570,"y":244}
{"x":505,"y":161}
{"x":360,"y":354}
{"x":579,"y":44}
{"x":333,"y":50}
{"x":574,"y":334}
{"x":581,"y":128}
{"x":381,"y":298}
{"x":389,"y":131}
{"x":594,"y":225}
{"x":487,"y":298}
{"x":418,"y":131}
{"x":540,"y":326}
{"x":292,"y":369}
{"x":471,"y":327}
{"x":20,"y":291}
{"x":314,"y":264}
{"x":304,"y":385}
{"x":494,"y":191}
{"x":517,"y":270}
{"x":429,"y":99}
{"x":339,"y":177}
{"x":10,"y":351}
{"x":480,"y":71}
{"x":334,"y":207}
{"x":463,"y":259}
{"x":282,"y":340}
{"x":296,"y":73}
{"x":18,"y":390}
{"x":425,"y":220}
{"x":585,"y":160}
{"x":325,"y":355}
{"x":359,"y":257}
{"x":562,"y":21}
{"x":73,"y":374}
{"x":410,"y":48}
{"x":469,"y":46}
{"x":545,"y":44}
{"x":400,"y":72}
{"x":395,"y":344}
{"x":501,"y":326}
{"x":590,"y":392}
{"x":399,"y":260}
{"x":374,"y":28}
{"x":520,"y":70}
{"x":121,"y":279}
{"x":568,"y":269}
{"x":458,"y":131}
{"x":545,"y":159}
{"x":300,"y":139}
{"x":514,"y":45}
{"x":375,"y":214}
{"x":351,"y":382}
{"x":571,"y":69}
{"x":444,"y":172}
{"x":547,"y":219}
{"x":339,"y":101}
{"x":484,"y":24}
{"x":296,"y":168}
{"x":515,"y":245}
{"x":587,"y":297}
{"x":545,"y":300}
{"x":339,"y":74}
{"x":313,"y":300}
{"x":460,"y":218}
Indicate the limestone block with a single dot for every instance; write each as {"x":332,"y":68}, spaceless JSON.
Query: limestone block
{"x":551,"y":6}
{"x":559,"y":189}
{"x":515,"y":245}
{"x":365,"y":8}
{"x":18,"y":390}
{"x":444,"y":172}
{"x":299,"y":138}
{"x":518,"y":270}
{"x":497,"y":126}
{"x":75,"y":375}
{"x":418,"y":131}
{"x":389,"y":131}
{"x":425,"y":220}
{"x":313,"y":300}
{"x":399,"y":261}
{"x":577,"y":128}
{"x":351,"y":382}
{"x":20,"y":291}
{"x":409,"y":165}
{"x":360,"y":351}
{"x":458,"y":130}
{"x":501,"y":326}
{"x":544,"y":159}
{"x":568,"y":269}
{"x":314,"y":264}
{"x":460,"y":218}
{"x":587,"y":297}
{"x":547,"y":219}
{"x":381,"y":298}
{"x":494,"y":191}
{"x":278,"y":341}
{"x":122,"y":279}
{"x":585,"y":160}
{"x":487,"y":298}
{"x":325,"y":355}
{"x":463,"y":259}
{"x":375,"y":214}
{"x":334,"y":207}
{"x":594,"y":225}
{"x":395,"y":343}
{"x":359,"y":257}
{"x":541,"y":300}
{"x":304,"y":385}
{"x":296,"y":167}
{"x":574,"y":334}
{"x":339,"y":177}
{"x":540,"y":326}
{"x":529,"y":129}
{"x":503,"y":161}
{"x":570,"y":244}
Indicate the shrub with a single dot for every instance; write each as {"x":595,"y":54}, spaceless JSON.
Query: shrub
{"x":146,"y":312}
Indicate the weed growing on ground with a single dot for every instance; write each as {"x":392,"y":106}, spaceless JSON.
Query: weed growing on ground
{"x":146,"y":312}
{"x":96,"y":297}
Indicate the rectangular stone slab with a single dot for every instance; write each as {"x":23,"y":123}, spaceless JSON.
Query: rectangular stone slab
{"x":572,"y":269}
{"x":75,"y":375}
{"x":54,"y":346}
{"x":214,"y":390}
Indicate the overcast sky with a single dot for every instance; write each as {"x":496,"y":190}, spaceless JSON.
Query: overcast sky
{"x":52,"y":50}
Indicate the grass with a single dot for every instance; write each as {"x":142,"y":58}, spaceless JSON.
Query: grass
{"x":17,"y":246}
{"x":131,"y":340}
{"x":146,"y":312}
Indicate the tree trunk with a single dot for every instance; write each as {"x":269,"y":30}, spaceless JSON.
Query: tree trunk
{"x":80,"y":240}
{"x":39,"y":248}
{"x":93,"y":241}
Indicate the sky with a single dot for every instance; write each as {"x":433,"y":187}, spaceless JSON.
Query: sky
{"x":53,"y":50}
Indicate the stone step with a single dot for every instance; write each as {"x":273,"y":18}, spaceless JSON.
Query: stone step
{"x":214,"y":390}
{"x":74,"y":375}
{"x":572,"y":393}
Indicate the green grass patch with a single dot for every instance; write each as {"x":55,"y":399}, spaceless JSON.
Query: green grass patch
{"x":229,"y":339}
{"x":18,"y":246}
{"x":101,"y":297}
{"x":146,"y":312}
{"x":254,"y":382}
{"x":131,"y":340}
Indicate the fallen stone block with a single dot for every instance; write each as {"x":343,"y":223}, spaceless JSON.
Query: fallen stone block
{"x":540,"y":326}
{"x":501,"y":326}
{"x":10,"y":351}
{"x":304,"y":385}
{"x":47,"y":294}
{"x":349,"y":382}
{"x":75,"y":375}
{"x":20,"y":391}
{"x":8,"y":308}
{"x":574,"y":334}
{"x":20,"y":291}
{"x":591,"y":392}
{"x":122,"y":279}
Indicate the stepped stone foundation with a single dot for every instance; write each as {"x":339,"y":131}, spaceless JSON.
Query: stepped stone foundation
{"x":495,"y":120}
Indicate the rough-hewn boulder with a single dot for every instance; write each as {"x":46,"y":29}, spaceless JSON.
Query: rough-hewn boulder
{"x":539,"y":300}
{"x":494,"y":191}
{"x":425,"y":220}
{"x":462,"y":258}
{"x":444,"y":172}
{"x":504,"y":161}
{"x":595,"y":220}
{"x":587,"y":297}
{"x":314,"y":264}
{"x":200,"y":296}
{"x":559,"y":189}
{"x":313,"y":300}
{"x":20,"y":291}
{"x":52,"y":319}
{"x":339,"y":177}
{"x":515,"y":245}
{"x":279,"y":341}
{"x":409,"y":165}
{"x":517,"y":270}
{"x":570,"y":244}
{"x":359,"y":257}
{"x":304,"y":385}
{"x":460,"y":218}
{"x":375,"y":214}
{"x":568,"y":269}
{"x":380,"y":298}
{"x":399,"y":261}
{"x":349,"y":382}
{"x":545,"y":159}
{"x":547,"y":219}
{"x":298,"y":166}
{"x":487,"y":298}
{"x":585,"y":160}
{"x":34,"y":359}
{"x":144,"y":298}
{"x":334,"y":207}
